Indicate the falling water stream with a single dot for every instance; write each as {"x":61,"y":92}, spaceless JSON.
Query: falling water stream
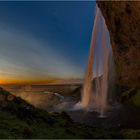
{"x":95,"y":90}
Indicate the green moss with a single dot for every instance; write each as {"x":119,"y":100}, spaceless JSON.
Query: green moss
{"x":136,"y":99}
{"x":127,"y":93}
{"x":132,"y":95}
{"x":130,"y":134}
{"x":11,"y":127}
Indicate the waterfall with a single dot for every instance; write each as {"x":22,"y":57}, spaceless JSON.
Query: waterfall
{"x":95,"y":90}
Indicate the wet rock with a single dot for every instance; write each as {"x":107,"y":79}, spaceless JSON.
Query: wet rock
{"x":123,"y":21}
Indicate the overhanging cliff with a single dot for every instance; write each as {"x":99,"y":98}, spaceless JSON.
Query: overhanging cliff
{"x":123,"y":22}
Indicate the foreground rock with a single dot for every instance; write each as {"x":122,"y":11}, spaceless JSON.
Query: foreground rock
{"x":20,"y":120}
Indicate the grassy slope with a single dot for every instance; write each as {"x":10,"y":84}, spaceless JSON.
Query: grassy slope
{"x":21,"y":120}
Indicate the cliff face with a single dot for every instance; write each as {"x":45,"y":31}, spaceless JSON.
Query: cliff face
{"x":123,"y":22}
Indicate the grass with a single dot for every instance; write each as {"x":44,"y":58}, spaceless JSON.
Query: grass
{"x":130,"y":134}
{"x":20,"y":120}
{"x":12,"y":127}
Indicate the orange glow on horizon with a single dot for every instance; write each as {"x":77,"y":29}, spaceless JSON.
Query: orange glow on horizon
{"x":7,"y":82}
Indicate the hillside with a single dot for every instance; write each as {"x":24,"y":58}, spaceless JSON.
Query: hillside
{"x":19,"y":119}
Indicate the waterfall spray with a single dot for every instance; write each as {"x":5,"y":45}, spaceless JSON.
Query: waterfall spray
{"x":95,"y":90}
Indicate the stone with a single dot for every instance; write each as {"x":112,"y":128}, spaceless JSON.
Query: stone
{"x":123,"y":21}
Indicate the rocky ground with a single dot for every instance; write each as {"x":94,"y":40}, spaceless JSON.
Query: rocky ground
{"x":18,"y":119}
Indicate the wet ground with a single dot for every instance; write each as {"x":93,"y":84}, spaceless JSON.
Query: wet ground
{"x":118,"y":116}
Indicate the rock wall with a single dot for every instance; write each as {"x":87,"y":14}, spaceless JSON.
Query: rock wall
{"x":123,"y":22}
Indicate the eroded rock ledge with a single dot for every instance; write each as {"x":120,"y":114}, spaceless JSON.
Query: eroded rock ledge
{"x":123,"y":22}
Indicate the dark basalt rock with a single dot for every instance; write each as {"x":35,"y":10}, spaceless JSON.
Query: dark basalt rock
{"x":123,"y":22}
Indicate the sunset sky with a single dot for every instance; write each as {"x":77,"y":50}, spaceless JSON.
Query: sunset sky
{"x":40,"y":41}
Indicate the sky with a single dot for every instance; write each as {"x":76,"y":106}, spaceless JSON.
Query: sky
{"x":44,"y":40}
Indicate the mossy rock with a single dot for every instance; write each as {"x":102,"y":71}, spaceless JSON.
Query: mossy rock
{"x":131,"y":96}
{"x":127,"y":94}
{"x":136,"y":99}
{"x":130,"y":134}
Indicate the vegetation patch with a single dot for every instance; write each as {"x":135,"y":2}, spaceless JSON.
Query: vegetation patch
{"x":130,"y":133}
{"x":136,"y":99}
{"x":20,"y":120}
